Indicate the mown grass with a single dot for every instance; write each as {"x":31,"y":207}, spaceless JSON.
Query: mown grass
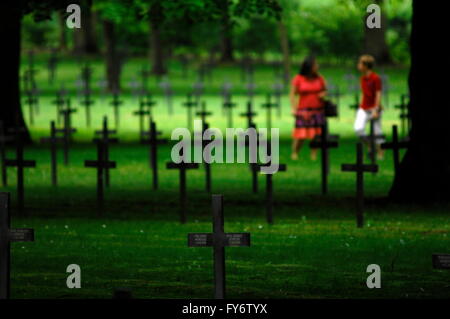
{"x":313,"y":250}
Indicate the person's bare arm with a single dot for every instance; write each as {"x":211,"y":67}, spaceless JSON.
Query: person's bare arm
{"x":378,"y":107}
{"x":293,"y":98}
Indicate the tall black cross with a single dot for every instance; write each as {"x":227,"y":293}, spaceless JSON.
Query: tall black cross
{"x":395,"y":146}
{"x":269,"y":190}
{"x":115,"y":103}
{"x":182,"y":167}
{"x":324,"y":142}
{"x":269,"y":105}
{"x":53,"y":141}
{"x":141,"y":113}
{"x":218,"y":239}
{"x":67,"y":131}
{"x":87,"y":102}
{"x":228,"y":106}
{"x":100,"y":164}
{"x":148,"y":102}
{"x":203,"y":113}
{"x":254,"y":167}
{"x":59,"y":102}
{"x":249,"y":114}
{"x":20,"y":163}
{"x":151,"y":138}
{"x":360,"y":168}
{"x":106,"y":139}
{"x":8,"y":235}
{"x":189,"y":104}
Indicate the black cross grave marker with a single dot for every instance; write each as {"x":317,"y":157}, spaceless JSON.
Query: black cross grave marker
{"x":105,"y":139}
{"x":189,"y":104}
{"x":51,"y":66}
{"x":59,"y":102}
{"x":324,"y":142}
{"x":269,"y":190}
{"x":228,"y":106}
{"x":182,"y":166}
{"x":8,"y":235}
{"x":207,"y":164}
{"x":218,"y":239}
{"x":250,"y":90}
{"x":269,"y":105}
{"x":278,"y":89}
{"x":395,"y":146}
{"x":141,"y":113}
{"x":67,"y":131}
{"x":87,"y":102}
{"x":151,"y":138}
{"x":148,"y":102}
{"x":197,"y":91}
{"x":203,"y":113}
{"x":405,"y":118}
{"x":249,"y":114}
{"x":360,"y":168}
{"x":115,"y":103}
{"x":53,"y":140}
{"x":20,"y":163}
{"x":100,"y":164}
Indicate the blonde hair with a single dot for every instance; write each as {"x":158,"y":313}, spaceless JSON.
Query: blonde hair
{"x":367,"y":60}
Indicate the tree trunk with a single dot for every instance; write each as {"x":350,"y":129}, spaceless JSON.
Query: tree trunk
{"x":113,"y":64}
{"x":375,"y":39}
{"x":157,"y":54}
{"x":11,"y":111}
{"x":285,"y":49}
{"x":424,"y":173}
{"x":226,"y":31}
{"x":62,"y":32}
{"x":84,"y":38}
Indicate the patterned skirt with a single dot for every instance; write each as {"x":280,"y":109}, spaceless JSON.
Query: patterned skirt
{"x":308,"y":123}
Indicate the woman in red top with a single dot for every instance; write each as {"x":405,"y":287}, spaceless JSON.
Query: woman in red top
{"x":307,"y":90}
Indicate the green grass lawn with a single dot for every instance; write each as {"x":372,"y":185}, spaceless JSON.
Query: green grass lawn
{"x":313,"y":250}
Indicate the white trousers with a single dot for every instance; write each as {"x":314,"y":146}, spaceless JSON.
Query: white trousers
{"x":362,"y":118}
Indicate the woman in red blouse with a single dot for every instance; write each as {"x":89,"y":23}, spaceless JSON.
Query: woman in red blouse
{"x":307,"y":90}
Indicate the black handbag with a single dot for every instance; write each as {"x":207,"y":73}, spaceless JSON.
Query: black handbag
{"x":331,"y":109}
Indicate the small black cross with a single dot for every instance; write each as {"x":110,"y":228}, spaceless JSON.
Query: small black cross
{"x":359,"y":168}
{"x":59,"y":102}
{"x":203,"y":112}
{"x":269,"y":105}
{"x":207,"y":163}
{"x":87,"y":102}
{"x":218,"y":239}
{"x":8,"y":235}
{"x":151,"y":138}
{"x":101,"y":164}
{"x":250,"y":89}
{"x":182,"y":167}
{"x":105,"y":139}
{"x":67,"y":131}
{"x":324,"y":142}
{"x":189,"y":104}
{"x":197,"y":91}
{"x":269,"y":190}
{"x":228,"y":105}
{"x":142,"y":112}
{"x":20,"y":163}
{"x":53,"y":140}
{"x":395,"y":146}
{"x":115,"y":103}
{"x":249,"y":114}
